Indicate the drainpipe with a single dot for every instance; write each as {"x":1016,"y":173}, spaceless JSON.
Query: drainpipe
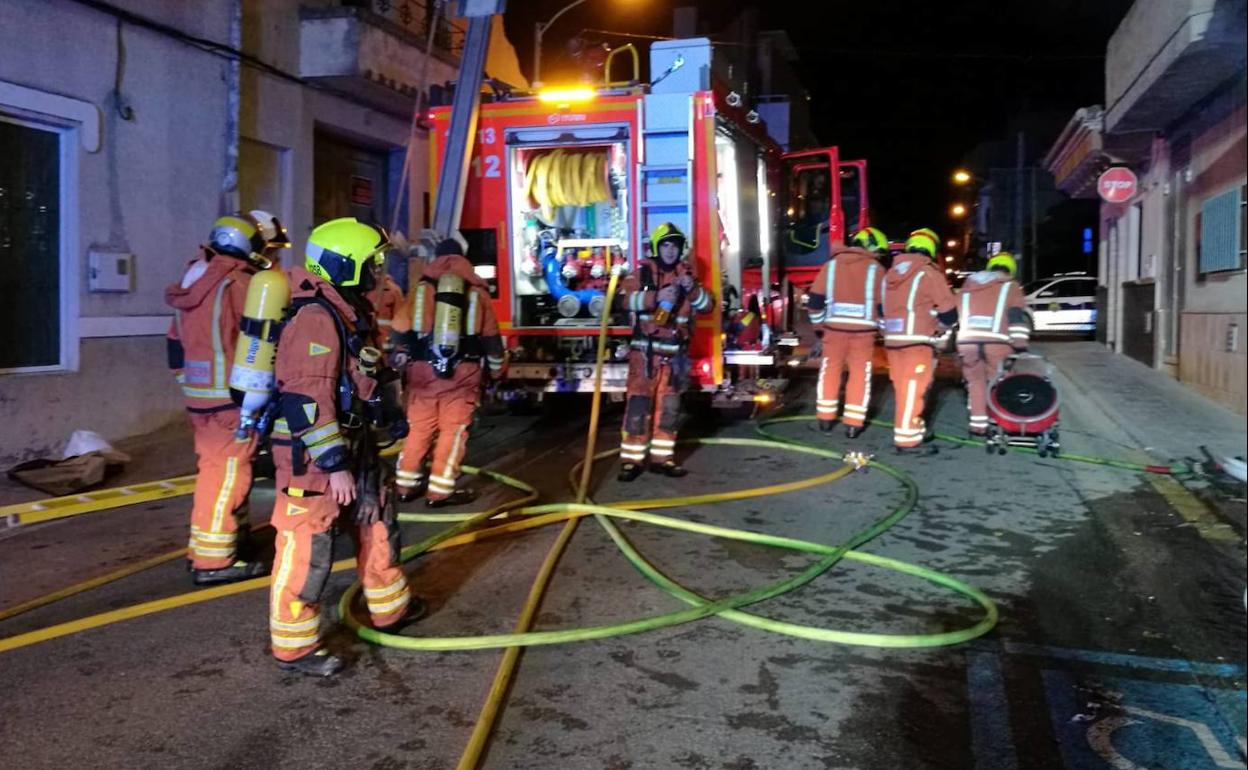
{"x":229,"y":183}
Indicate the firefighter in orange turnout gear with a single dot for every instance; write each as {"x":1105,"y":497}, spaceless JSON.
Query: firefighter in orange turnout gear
{"x":843,"y":303}
{"x":385,"y":298}
{"x":208,"y":306}
{"x":444,"y":331}
{"x":918,"y":304}
{"x":663,"y":296}
{"x":329,"y":473}
{"x":994,"y":322}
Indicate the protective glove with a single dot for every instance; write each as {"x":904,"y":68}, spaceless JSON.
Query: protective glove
{"x":368,"y":502}
{"x":399,"y":428}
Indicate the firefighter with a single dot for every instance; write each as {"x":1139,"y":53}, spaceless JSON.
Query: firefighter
{"x":744,"y":327}
{"x":208,"y":305}
{"x":663,"y":296}
{"x":325,"y":455}
{"x":994,"y":322}
{"x":443,"y":331}
{"x":745,"y":330}
{"x":843,"y":303}
{"x":917,"y":304}
{"x":384,"y":298}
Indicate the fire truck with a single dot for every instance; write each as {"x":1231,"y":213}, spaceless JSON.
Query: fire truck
{"x":566,"y":184}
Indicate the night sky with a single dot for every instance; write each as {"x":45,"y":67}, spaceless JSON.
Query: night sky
{"x":911,"y":86}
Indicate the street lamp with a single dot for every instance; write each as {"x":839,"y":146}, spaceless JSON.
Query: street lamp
{"x":951,"y":243}
{"x":958,"y":210}
{"x":539,"y":29}
{"x":962,"y":176}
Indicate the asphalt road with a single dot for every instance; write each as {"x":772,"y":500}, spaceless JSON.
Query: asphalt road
{"x":1122,"y":633}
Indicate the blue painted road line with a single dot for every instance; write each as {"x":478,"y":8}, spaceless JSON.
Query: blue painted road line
{"x":1128,"y":723}
{"x":1110,"y":721}
{"x":1228,"y":670}
{"x":991,"y":740}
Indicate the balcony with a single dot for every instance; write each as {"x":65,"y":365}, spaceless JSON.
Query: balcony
{"x":1084,"y":150}
{"x":372,"y":50}
{"x":1166,"y":56}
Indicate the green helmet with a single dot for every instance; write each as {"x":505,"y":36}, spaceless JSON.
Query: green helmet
{"x":871,"y":239}
{"x":1004,"y":260}
{"x":921,"y":244}
{"x":664,"y":233}
{"x":340,"y":250}
{"x":929,"y":232}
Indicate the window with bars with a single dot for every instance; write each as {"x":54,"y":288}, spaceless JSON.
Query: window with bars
{"x":1223,"y":237}
{"x":30,"y":248}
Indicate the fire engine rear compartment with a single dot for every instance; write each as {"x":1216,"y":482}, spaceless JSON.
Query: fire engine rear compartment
{"x":568,"y":222}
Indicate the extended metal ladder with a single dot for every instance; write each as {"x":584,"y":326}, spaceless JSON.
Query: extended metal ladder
{"x":465,"y":109}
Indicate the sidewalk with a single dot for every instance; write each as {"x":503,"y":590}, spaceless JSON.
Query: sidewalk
{"x":1166,"y":419}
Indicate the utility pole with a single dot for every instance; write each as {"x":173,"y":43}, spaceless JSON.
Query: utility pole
{"x":1020,"y":158}
{"x":1034,"y":253}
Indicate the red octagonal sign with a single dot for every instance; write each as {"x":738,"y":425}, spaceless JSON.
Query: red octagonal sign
{"x":1117,"y":185}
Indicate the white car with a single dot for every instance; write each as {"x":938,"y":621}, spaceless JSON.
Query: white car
{"x":1063,"y":303}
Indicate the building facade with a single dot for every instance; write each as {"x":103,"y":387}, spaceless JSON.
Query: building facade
{"x":132,"y":125}
{"x":1172,"y":258}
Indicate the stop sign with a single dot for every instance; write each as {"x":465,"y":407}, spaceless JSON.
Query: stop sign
{"x":1117,"y":185}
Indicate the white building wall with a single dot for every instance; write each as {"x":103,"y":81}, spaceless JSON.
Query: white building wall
{"x":156,"y":183}
{"x":148,"y":190}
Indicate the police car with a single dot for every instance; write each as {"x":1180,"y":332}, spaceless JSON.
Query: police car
{"x":1063,"y":303}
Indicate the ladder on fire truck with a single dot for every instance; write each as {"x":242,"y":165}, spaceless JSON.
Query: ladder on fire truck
{"x":666,"y":183}
{"x":465,"y":110}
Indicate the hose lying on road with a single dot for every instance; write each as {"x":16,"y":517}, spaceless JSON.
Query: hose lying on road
{"x":1177,"y":469}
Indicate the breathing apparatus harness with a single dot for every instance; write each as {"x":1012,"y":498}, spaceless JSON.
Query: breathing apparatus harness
{"x":383,"y":410}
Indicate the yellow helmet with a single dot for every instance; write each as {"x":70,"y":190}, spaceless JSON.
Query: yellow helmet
{"x":667,"y":232}
{"x":871,"y":239}
{"x":1004,"y":259}
{"x":237,"y":235}
{"x":929,"y":232}
{"x":340,"y":250}
{"x":921,"y":244}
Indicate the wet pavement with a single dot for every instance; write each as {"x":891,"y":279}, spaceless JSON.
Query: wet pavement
{"x":1121,"y":642}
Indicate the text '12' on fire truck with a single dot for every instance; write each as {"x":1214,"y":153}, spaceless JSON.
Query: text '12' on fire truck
{"x":566,"y":184}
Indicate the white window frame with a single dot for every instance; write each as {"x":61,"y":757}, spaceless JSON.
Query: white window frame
{"x":67,"y":131}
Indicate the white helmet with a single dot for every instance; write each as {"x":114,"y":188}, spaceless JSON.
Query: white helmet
{"x":271,"y":229}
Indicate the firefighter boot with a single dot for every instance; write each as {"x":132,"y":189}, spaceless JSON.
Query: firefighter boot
{"x":318,"y":663}
{"x":458,"y":497}
{"x":669,"y":468}
{"x":629,"y":472}
{"x":853,"y":431}
{"x":923,"y":450}
{"x":416,"y":610}
{"x":239,"y":570}
{"x":408,"y":494}
{"x":827,"y":425}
